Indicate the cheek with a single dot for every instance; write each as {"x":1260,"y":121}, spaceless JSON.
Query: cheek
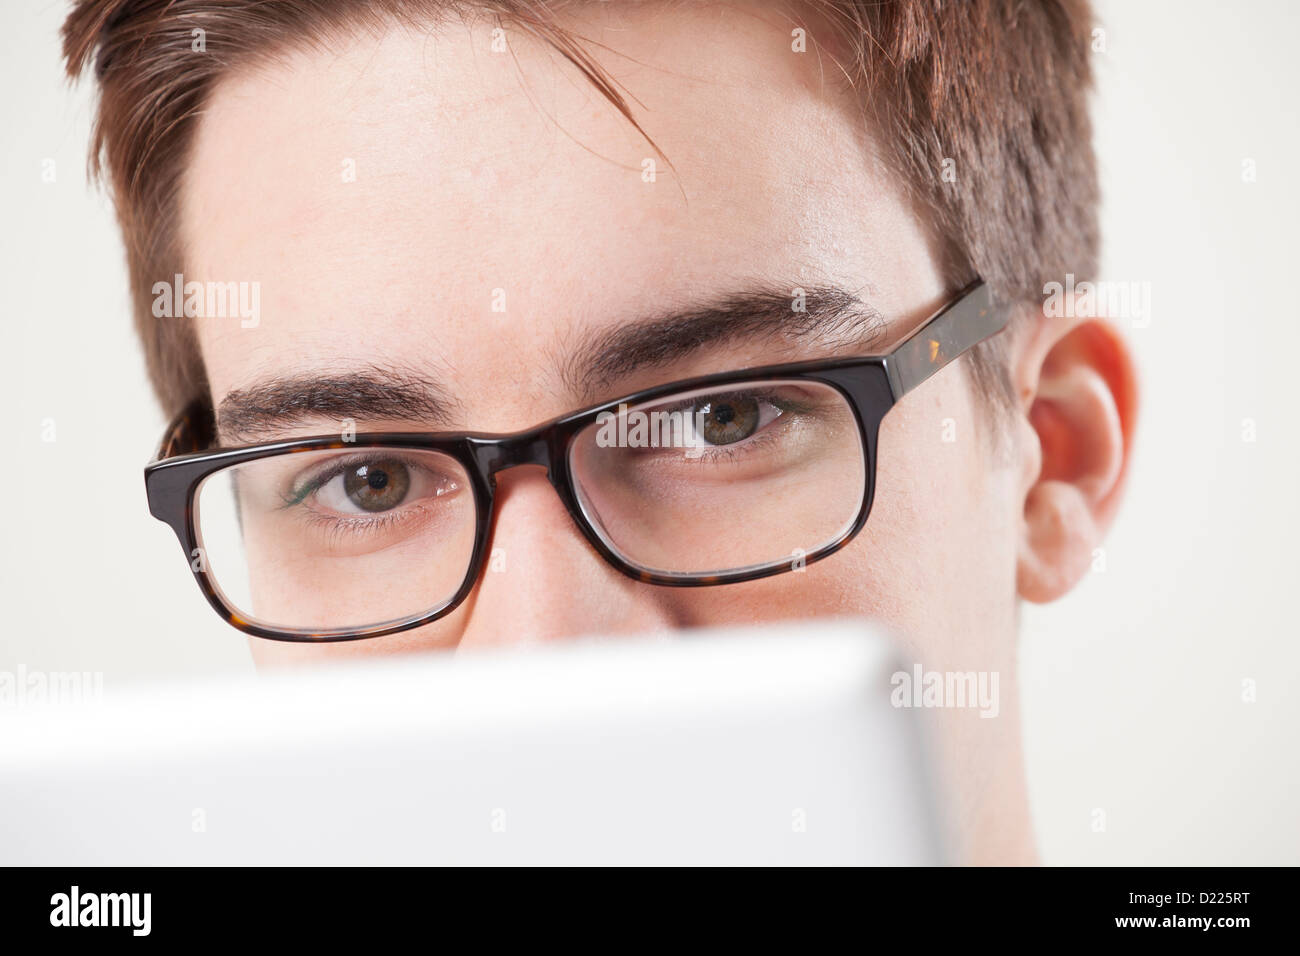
{"x":944,"y":525}
{"x":936,"y":560}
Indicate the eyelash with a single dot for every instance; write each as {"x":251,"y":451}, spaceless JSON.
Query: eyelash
{"x":720,"y":454}
{"x":337,"y":527}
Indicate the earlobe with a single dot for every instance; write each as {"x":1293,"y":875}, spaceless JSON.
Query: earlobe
{"x":1079,"y":400}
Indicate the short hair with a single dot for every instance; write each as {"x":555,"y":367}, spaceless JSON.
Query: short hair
{"x":978,"y":108}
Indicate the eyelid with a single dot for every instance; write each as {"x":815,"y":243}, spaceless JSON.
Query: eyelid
{"x":774,"y":397}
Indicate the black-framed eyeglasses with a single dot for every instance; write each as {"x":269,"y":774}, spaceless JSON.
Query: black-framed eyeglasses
{"x":708,"y":481}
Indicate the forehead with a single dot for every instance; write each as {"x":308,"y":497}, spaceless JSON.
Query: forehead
{"x":394,"y":182}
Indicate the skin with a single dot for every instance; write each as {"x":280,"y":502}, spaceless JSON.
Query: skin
{"x":478,"y":171}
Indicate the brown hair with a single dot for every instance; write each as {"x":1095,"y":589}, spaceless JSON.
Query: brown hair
{"x":993,"y":90}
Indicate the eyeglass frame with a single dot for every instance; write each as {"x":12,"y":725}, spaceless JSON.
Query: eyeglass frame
{"x":871,"y":386}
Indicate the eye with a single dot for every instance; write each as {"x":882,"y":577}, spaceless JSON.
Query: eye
{"x":729,"y":419}
{"x":368,"y":486}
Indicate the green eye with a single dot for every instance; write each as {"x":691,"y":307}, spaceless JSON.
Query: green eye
{"x":378,"y":485}
{"x":728,"y":420}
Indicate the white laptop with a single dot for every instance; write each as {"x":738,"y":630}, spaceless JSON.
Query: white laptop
{"x":771,"y":746}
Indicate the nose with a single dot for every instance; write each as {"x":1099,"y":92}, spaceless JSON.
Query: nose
{"x":543,"y":581}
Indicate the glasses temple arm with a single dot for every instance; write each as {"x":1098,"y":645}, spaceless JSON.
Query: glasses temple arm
{"x":955,"y":329}
{"x":192,"y":430}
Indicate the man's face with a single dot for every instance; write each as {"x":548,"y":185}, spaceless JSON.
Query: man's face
{"x":500,"y":220}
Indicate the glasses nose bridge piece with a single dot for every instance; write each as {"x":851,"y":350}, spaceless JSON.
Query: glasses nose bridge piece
{"x":512,"y":451}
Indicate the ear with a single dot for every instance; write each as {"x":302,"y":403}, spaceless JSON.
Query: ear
{"x":1078,"y":394}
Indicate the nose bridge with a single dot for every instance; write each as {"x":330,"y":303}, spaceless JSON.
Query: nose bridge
{"x":543,"y":580}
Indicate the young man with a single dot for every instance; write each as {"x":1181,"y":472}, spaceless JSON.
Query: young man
{"x":480,"y":217}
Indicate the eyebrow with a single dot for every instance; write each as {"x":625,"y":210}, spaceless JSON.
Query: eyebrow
{"x":375,"y":392}
{"x":827,"y":316}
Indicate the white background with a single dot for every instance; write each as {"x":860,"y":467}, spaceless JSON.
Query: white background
{"x":1132,"y":685}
